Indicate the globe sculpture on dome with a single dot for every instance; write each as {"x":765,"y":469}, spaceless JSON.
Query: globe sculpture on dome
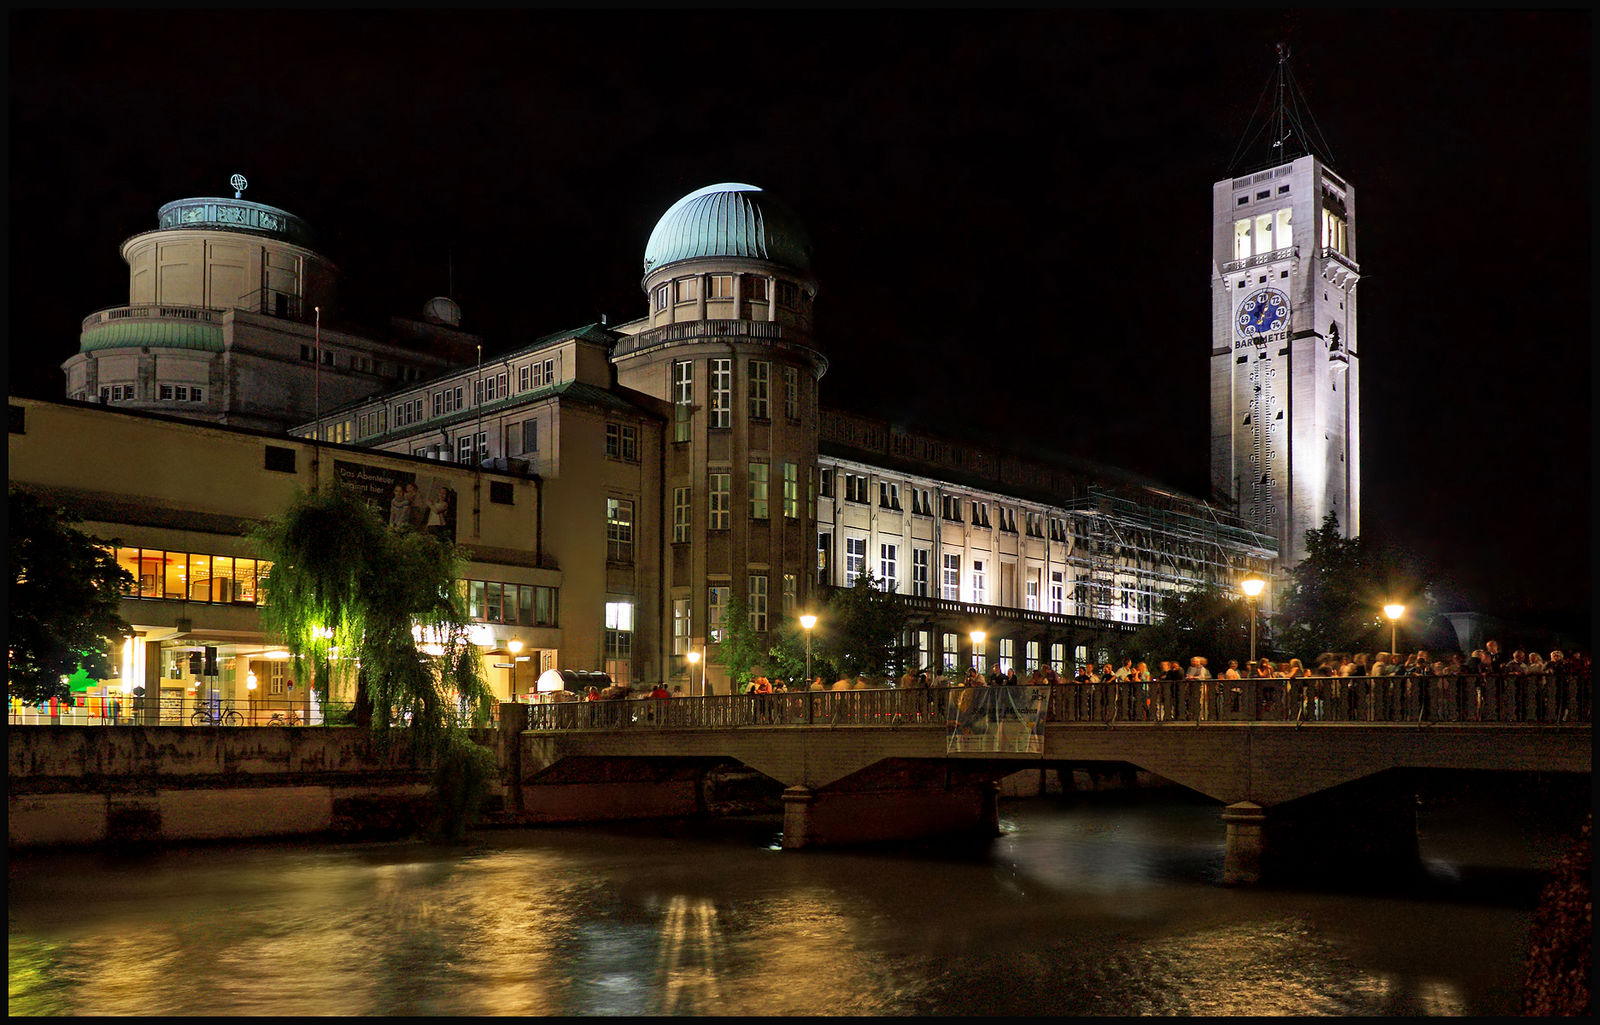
{"x":729,"y":219}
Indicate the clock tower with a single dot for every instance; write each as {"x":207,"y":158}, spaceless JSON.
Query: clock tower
{"x":1285,"y":354}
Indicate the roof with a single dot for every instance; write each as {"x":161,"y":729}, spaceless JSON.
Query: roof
{"x":730,"y":219}
{"x":166,"y":334}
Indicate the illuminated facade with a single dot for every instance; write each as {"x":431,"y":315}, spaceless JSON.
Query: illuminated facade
{"x":232,"y":317}
{"x":1285,"y":355}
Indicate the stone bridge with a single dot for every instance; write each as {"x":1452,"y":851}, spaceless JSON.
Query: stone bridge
{"x":1308,"y":773}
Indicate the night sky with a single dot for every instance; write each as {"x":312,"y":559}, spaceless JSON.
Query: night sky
{"x":1010,"y":210}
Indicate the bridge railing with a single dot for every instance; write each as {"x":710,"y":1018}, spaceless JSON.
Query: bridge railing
{"x":1529,"y":699}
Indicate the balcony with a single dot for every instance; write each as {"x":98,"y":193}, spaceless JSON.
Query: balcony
{"x":154,"y":324}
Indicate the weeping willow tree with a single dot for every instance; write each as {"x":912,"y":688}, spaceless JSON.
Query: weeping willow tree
{"x":372,"y":612}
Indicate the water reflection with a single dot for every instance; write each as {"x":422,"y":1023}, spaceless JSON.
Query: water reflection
{"x":1079,"y":908}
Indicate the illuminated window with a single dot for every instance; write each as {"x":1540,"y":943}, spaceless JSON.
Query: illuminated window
{"x":790,"y":592}
{"x":791,"y":491}
{"x":662,"y":294}
{"x":919,"y":571}
{"x":980,"y":581}
{"x":948,"y":646}
{"x":791,"y":393}
{"x":681,"y":626}
{"x":716,"y":608}
{"x":619,"y":640}
{"x":1030,"y":656}
{"x":1008,"y":654}
{"x":950,"y":582}
{"x":855,"y":559}
{"x":682,"y":399}
{"x":889,"y":567}
{"x":619,"y":530}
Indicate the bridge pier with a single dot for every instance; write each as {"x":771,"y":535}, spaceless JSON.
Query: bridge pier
{"x":816,"y":818}
{"x":1366,"y":828}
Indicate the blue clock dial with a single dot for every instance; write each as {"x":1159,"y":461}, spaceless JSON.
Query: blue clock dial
{"x":1262,"y":312}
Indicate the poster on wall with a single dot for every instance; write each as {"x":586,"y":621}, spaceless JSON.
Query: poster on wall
{"x":405,"y":500}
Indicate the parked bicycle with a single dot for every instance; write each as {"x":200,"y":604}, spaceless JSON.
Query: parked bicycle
{"x":284,"y":719}
{"x":225,"y":717}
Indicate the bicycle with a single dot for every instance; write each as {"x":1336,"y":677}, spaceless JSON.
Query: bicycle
{"x":284,"y":719}
{"x":226,"y":717}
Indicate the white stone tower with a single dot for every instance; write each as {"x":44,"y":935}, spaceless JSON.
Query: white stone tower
{"x":1285,"y":366}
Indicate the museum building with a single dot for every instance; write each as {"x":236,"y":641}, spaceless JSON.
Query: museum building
{"x":613,"y":487}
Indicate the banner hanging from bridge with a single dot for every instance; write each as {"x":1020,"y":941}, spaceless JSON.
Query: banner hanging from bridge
{"x":995,"y":719}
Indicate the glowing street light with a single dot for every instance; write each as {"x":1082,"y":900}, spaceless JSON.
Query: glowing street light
{"x":693,"y":658}
{"x":808,"y":621}
{"x":1394,"y":611}
{"x":1252,"y":586}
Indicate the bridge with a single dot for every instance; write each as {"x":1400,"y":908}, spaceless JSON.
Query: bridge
{"x":1309,"y":772}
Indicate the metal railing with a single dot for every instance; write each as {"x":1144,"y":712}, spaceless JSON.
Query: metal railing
{"x":153,"y":311}
{"x":189,"y":711}
{"x":1507,"y":699}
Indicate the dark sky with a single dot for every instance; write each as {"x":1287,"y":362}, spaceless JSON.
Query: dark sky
{"x":1010,"y":210}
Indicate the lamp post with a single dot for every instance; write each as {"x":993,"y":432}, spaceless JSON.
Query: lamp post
{"x":977,"y":647}
{"x":250,"y":685}
{"x":1394,"y":611}
{"x":693,"y":658}
{"x":1252,"y":586}
{"x":808,"y":621}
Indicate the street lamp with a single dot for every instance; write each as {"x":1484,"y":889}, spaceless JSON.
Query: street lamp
{"x":808,"y":621}
{"x":1252,"y":586}
{"x":1394,"y":611}
{"x":694,"y":659}
{"x":977,"y":647}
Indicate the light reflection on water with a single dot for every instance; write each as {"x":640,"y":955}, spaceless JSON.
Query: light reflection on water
{"x":1079,"y":908}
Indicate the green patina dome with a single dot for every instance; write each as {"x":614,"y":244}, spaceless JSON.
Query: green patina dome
{"x":729,"y":220}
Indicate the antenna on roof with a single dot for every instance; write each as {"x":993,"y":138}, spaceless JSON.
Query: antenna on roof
{"x":1294,"y":131}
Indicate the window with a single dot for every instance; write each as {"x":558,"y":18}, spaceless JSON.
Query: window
{"x":791,"y":394}
{"x":680,"y":515}
{"x":1008,"y":654}
{"x":919,"y":571}
{"x":468,"y":444}
{"x":622,"y":442}
{"x":721,"y":514}
{"x":686,"y":290}
{"x":791,"y":491}
{"x":855,"y":559}
{"x":755,"y":288}
{"x":757,"y":605}
{"x":682,"y":626}
{"x":716,"y":608}
{"x":166,"y":392}
{"x":948,"y":646}
{"x":825,"y":481}
{"x":719,"y":286}
{"x":980,"y":514}
{"x":924,"y":649}
{"x":721,"y":393}
{"x":1058,"y":654}
{"x":950,"y":582}
{"x":537,"y":374}
{"x":1035,"y":524}
{"x":824,"y":556}
{"x":662,"y":293}
{"x":790,"y":592}
{"x":619,"y":530}
{"x":447,"y":400}
{"x":889,"y":567}
{"x":1031,"y":599}
{"x":1058,"y":529}
{"x":788,"y":295}
{"x":1008,"y":519}
{"x":189,"y":576}
{"x":950,"y":508}
{"x":1030,"y":656}
{"x":888,"y":495}
{"x":921,"y":502}
{"x":530,"y":435}
{"x":619,"y":639}
{"x":980,"y":581}
{"x":280,"y":459}
{"x":682,"y":399}
{"x":500,"y":492}
{"x":855,"y":488}
{"x":760,"y":372}
{"x":759,"y":489}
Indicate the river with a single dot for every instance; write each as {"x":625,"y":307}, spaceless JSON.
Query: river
{"x":1097,"y":904}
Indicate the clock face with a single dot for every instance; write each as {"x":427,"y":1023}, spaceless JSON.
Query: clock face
{"x":1263,"y":311}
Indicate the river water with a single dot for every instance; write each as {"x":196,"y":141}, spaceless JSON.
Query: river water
{"x":1103,"y":903}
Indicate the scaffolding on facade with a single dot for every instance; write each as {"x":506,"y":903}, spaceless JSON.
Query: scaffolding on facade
{"x":1138,"y":550}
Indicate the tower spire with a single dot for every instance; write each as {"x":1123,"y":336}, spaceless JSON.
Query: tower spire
{"x":1281,"y":127}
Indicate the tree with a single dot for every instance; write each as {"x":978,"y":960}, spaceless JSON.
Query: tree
{"x":1336,"y":594}
{"x":1206,"y":621}
{"x":858,"y":633}
{"x":377,"y":611}
{"x":739,"y":650}
{"x":64,"y":602}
